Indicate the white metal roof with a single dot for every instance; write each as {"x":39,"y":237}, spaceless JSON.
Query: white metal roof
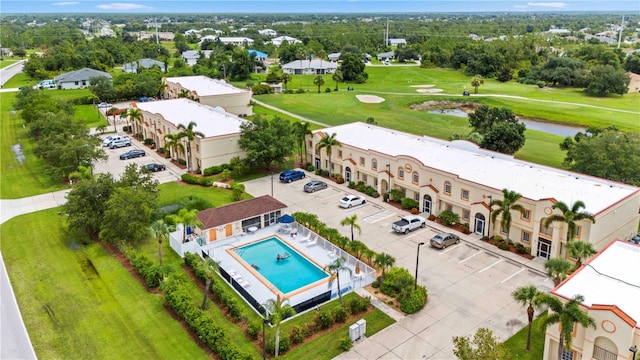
{"x":494,"y":170}
{"x":610,"y":278}
{"x":205,"y":86}
{"x":211,"y":121}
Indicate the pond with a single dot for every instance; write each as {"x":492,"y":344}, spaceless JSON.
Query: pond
{"x":548,"y":127}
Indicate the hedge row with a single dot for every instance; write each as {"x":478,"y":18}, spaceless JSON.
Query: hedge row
{"x":399,"y":283}
{"x":197,"y":180}
{"x":150,"y":271}
{"x":217,"y":169}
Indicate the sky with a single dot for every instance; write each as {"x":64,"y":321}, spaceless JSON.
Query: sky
{"x":312,"y":6}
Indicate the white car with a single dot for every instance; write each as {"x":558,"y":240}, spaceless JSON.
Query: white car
{"x":105,"y":105}
{"x":351,"y":200}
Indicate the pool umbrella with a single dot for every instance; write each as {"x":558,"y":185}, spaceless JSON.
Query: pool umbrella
{"x":357,"y":268}
{"x":286,"y":219}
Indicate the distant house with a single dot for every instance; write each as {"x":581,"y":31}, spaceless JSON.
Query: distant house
{"x":282,"y":39}
{"x":237,"y":41}
{"x":310,"y":67}
{"x":267,"y":32}
{"x":6,"y":52}
{"x":211,"y":92}
{"x":79,"y":79}
{"x":191,"y":56}
{"x":334,"y":57}
{"x":386,"y":56}
{"x":207,"y":37}
{"x":259,"y":54}
{"x":133,"y":67}
{"x":396,"y":42}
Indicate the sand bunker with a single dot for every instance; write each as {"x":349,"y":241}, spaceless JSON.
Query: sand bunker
{"x":429,"y":90}
{"x":370,"y":99}
{"x":422,"y":86}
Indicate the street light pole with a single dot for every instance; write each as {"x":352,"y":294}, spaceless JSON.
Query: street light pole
{"x":388,"y":177}
{"x":415,"y":285}
{"x":489,"y":225}
{"x":634,"y":350}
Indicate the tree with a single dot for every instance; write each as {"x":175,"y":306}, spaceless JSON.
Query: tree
{"x":83,"y":173}
{"x":186,"y":217}
{"x":500,"y":129}
{"x":337,"y":77}
{"x":127,"y":215}
{"x":352,"y":68}
{"x":278,"y":312}
{"x":334,"y":268}
{"x":266,"y":142}
{"x":159,"y":230}
{"x":351,"y":221}
{"x":102,"y":87}
{"x":558,"y":269}
{"x":174,"y":145}
{"x":580,"y":250}
{"x":476,"y":81}
{"x":505,"y":206}
{"x":384,"y":262}
{"x":300,"y":130}
{"x":632,"y":63}
{"x":527,"y":296}
{"x":210,"y":269}
{"x":135,"y":117}
{"x":328,"y":142}
{"x":237,"y":190}
{"x":286,"y":77}
{"x":86,"y":204}
{"x":567,"y":315}
{"x":190,"y":134}
{"x":605,"y":79}
{"x":570,"y":216}
{"x":484,"y":346}
{"x":318,"y":81}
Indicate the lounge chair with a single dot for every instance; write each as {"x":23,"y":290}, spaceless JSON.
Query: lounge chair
{"x":237,"y":277}
{"x":332,"y":253}
{"x":244,"y":283}
{"x":306,"y":237}
{"x":312,"y":242}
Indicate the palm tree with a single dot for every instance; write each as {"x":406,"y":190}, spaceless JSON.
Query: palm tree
{"x":505,"y":206}
{"x":135,"y":116}
{"x":328,"y":142}
{"x":189,"y":133}
{"x":186,"y":217}
{"x":334,"y":268}
{"x":184,"y":93}
{"x":159,"y":230}
{"x":174,"y":145}
{"x":569,"y":216}
{"x":527,"y":296}
{"x":476,"y":81}
{"x":580,"y":250}
{"x":558,"y":269}
{"x":277,"y":313}
{"x":161,"y":89}
{"x":384,"y":262}
{"x":113,"y":111}
{"x":318,"y":81}
{"x":301,"y":129}
{"x":286,"y":77}
{"x":351,"y":221}
{"x":567,"y":315}
{"x":337,"y":77}
{"x":210,"y":268}
{"x":357,"y":248}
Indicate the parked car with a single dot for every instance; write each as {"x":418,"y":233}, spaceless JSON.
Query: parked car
{"x":146,"y":99}
{"x":291,"y":175}
{"x":443,"y":240}
{"x":155,"y":167}
{"x":314,"y":185}
{"x":351,"y":200}
{"x":105,"y":105}
{"x":409,"y":223}
{"x":635,"y":239}
{"x":45,"y":84}
{"x":120,"y":141}
{"x":132,"y":154}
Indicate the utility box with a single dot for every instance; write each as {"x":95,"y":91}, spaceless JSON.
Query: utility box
{"x":362,"y":326}
{"x":354,"y":332}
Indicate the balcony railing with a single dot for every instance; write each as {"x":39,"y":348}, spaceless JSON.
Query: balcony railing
{"x":602,"y":354}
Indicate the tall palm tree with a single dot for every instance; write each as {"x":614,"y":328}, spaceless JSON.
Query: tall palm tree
{"x":384,"y":262}
{"x":318,"y":81}
{"x":327,"y":143}
{"x":558,"y":269}
{"x":159,"y":230}
{"x":301,"y":129}
{"x":505,"y":206}
{"x":569,"y":216}
{"x":190,"y":134}
{"x":567,"y":315}
{"x":476,"y":81}
{"x":277,"y":313}
{"x":135,"y":116}
{"x":113,"y":111}
{"x":210,"y":267}
{"x":352,"y":222}
{"x":580,"y":250}
{"x":528,"y":296}
{"x":334,"y":268}
{"x":337,"y":77}
{"x":186,"y":217}
{"x":174,"y":145}
{"x":161,"y":89}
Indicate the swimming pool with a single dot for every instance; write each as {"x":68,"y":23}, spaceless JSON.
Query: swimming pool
{"x":286,"y":275}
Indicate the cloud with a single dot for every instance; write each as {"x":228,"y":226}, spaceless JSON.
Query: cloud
{"x":122,"y":6}
{"x":65,"y":3}
{"x":520,"y":6}
{"x":557,"y":5}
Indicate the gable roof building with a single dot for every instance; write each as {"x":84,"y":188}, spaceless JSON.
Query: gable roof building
{"x":191,"y":56}
{"x":133,"y":67}
{"x":334,"y":57}
{"x":237,"y":41}
{"x":211,"y":92}
{"x":396,"y":42}
{"x":79,"y":79}
{"x":282,"y":39}
{"x":310,"y":67}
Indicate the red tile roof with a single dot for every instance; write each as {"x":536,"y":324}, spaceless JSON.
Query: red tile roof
{"x":239,"y":211}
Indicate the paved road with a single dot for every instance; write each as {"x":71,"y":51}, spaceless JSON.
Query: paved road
{"x":8,"y":72}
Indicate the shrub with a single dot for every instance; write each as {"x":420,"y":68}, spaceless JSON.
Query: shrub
{"x":254,"y":327}
{"x":352,"y":185}
{"x":540,"y":84}
{"x":296,"y":334}
{"x":300,"y":91}
{"x":375,"y":194}
{"x":284,"y":345}
{"x":261,"y":89}
{"x":160,"y":150}
{"x":465,"y":228}
{"x":527,"y":249}
{"x":396,"y":194}
{"x":340,"y":314}
{"x":149,"y":141}
{"x":414,"y":301}
{"x":359,"y":304}
{"x":449,"y":217}
{"x":432,"y":217}
{"x":345,"y":343}
{"x":213,"y":170}
{"x":385,"y":197}
{"x":318,"y":171}
{"x":328,"y":90}
{"x":408,"y":203}
{"x":497,"y":238}
{"x":414,"y":211}
{"x":182,"y":161}
{"x":503,"y":246}
{"x":324,"y":320}
{"x":520,"y":248}
{"x":310,"y":168}
{"x":361,"y":186}
{"x":370,"y":190}
{"x":396,"y":281}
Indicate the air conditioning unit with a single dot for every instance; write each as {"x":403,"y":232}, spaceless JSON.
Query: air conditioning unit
{"x":354,"y":332}
{"x":362,"y":325}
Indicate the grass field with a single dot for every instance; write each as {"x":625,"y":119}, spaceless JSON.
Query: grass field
{"x":517,"y":344}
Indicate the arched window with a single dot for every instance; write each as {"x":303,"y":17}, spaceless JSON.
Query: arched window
{"x":447,"y":187}
{"x":416,"y":177}
{"x":374,"y":164}
{"x":401,"y":173}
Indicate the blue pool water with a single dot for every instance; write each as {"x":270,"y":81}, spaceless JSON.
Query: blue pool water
{"x":287,"y":274}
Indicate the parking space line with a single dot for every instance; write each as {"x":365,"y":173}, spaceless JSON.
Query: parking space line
{"x":374,"y":214}
{"x":507,"y":279}
{"x":357,"y":207}
{"x":450,"y":249}
{"x":330,"y":196}
{"x":490,"y":266}
{"x":416,"y":233}
{"x":463,"y":260}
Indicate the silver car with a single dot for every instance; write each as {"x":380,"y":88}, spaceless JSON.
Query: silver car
{"x":443,"y":240}
{"x":314,"y":185}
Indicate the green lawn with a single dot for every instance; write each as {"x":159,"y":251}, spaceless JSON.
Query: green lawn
{"x":517,"y":344}
{"x":8,"y":61}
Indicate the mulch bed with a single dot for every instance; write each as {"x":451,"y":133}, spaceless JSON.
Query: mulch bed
{"x":512,"y":249}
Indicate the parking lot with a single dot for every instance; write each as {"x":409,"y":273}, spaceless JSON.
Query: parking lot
{"x":469,"y":284}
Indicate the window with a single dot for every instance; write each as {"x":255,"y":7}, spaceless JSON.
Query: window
{"x":578,"y":231}
{"x":310,"y":145}
{"x":526,"y":237}
{"x":447,"y":188}
{"x":361,"y":161}
{"x":448,"y":207}
{"x":197,"y":148}
{"x":375,"y":182}
{"x":400,"y":173}
{"x":374,"y":164}
{"x":364,"y":178}
{"x":416,"y":177}
{"x":503,"y":229}
{"x":526,"y":215}
{"x":567,"y":354}
{"x":464,"y":194}
{"x":403,"y":191}
{"x":466,"y":214}
{"x":416,"y":197}
{"x":339,"y":154}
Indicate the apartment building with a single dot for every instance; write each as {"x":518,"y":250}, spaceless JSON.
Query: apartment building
{"x":208,"y":91}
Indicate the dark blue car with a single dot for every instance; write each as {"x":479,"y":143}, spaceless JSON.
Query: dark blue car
{"x":291,"y":175}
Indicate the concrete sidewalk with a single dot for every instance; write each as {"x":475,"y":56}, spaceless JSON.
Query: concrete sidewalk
{"x":10,"y":208}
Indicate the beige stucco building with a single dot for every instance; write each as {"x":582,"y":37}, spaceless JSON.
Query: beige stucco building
{"x":610,"y":285}
{"x":209,"y":91}
{"x":459,"y":176}
{"x":221,"y":129}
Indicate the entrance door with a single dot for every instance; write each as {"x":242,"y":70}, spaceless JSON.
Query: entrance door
{"x":347,"y":174}
{"x":228,"y":230}
{"x":479,"y":224}
{"x":426,"y":204}
{"x":317,"y":163}
{"x":544,"y":248}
